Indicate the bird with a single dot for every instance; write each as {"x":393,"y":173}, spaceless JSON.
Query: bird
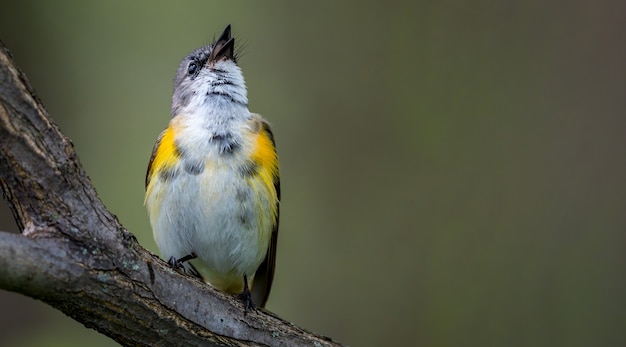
{"x":212,"y":183}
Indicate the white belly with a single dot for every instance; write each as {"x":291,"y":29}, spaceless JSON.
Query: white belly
{"x":220,"y":216}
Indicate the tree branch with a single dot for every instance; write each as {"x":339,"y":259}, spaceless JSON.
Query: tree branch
{"x":74,"y":254}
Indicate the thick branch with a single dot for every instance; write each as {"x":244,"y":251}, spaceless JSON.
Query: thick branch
{"x":74,"y":255}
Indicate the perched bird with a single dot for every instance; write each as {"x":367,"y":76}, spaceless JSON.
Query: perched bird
{"x":212,"y":186}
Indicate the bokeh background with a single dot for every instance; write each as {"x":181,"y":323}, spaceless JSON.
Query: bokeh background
{"x":453,"y":172}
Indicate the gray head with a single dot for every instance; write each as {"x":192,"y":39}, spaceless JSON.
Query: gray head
{"x":209,"y":77}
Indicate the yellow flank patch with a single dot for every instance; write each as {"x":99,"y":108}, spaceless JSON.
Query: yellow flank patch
{"x":265,"y":156}
{"x":165,"y":155}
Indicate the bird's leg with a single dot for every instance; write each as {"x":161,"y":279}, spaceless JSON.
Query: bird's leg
{"x":246,"y":296}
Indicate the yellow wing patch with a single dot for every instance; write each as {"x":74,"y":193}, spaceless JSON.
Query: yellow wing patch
{"x":265,"y":156}
{"x":164,"y":155}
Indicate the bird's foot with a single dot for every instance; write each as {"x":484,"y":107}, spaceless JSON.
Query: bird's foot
{"x":178,"y":263}
{"x":246,"y":296}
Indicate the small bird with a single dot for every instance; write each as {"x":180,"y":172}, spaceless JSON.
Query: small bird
{"x":212,"y":185}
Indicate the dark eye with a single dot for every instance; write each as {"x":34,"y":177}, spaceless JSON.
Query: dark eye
{"x":193,"y":67}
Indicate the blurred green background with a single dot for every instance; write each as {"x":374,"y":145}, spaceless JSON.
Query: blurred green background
{"x":453,"y":172}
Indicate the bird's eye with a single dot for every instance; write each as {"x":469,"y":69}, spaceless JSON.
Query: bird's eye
{"x":192,"y":68}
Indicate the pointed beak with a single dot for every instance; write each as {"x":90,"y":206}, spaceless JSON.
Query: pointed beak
{"x":224,"y":47}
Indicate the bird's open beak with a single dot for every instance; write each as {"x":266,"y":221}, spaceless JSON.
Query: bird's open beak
{"x":224,"y":47}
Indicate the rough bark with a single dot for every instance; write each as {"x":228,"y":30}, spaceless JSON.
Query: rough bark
{"x":74,"y":255}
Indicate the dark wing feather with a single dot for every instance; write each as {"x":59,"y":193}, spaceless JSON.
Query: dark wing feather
{"x":265,"y":273}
